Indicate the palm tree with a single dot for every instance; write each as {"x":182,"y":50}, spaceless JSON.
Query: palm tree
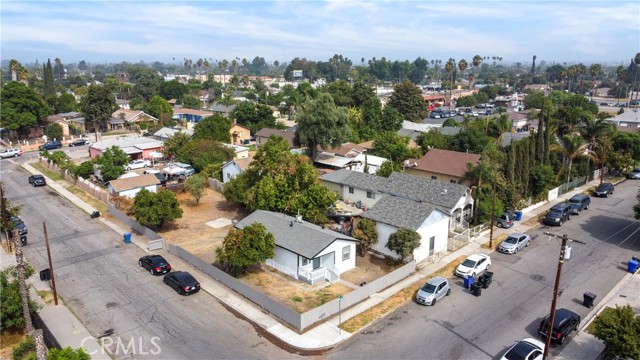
{"x":245,"y":64}
{"x":571,"y":147}
{"x":621,"y":74}
{"x":594,"y":70}
{"x":59,"y":67}
{"x":462,"y":65}
{"x":234,"y":65}
{"x":636,"y":63}
{"x":571,"y":116}
{"x":225,"y":66}
{"x":276,"y":64}
{"x":14,"y":65}
{"x":449,"y":67}
{"x":23,"y":74}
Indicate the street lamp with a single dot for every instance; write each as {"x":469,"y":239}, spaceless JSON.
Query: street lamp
{"x":564,"y":254}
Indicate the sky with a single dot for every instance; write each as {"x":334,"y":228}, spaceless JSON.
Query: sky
{"x":606,"y":32}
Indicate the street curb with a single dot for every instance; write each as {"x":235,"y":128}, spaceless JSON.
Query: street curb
{"x":603,"y":304}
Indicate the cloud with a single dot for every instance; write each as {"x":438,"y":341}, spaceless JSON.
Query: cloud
{"x":282,"y":30}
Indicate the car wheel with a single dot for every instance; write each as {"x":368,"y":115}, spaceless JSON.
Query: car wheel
{"x":527,"y":244}
{"x":515,"y":251}
{"x":569,"y":218}
{"x":488,"y":267}
{"x":181,"y":291}
{"x":151,"y":271}
{"x":448,"y":291}
{"x":560,"y":223}
{"x":433,"y":303}
{"x":140,"y":263}
{"x":15,"y":155}
{"x":128,"y":169}
{"x":499,"y":225}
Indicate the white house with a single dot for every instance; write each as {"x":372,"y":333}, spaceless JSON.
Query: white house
{"x":130,"y":186}
{"x":233,"y":168}
{"x":353,"y":186}
{"x":303,"y":250}
{"x":371,"y":162}
{"x":393,"y":213}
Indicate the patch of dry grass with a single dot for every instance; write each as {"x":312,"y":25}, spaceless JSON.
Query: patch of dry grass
{"x":95,"y":203}
{"x":46,"y":295}
{"x":296,"y":295}
{"x":53,"y":175}
{"x":396,"y":300}
{"x":9,"y":340}
{"x":496,"y":241}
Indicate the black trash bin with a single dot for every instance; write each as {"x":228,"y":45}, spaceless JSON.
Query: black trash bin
{"x":95,"y":214}
{"x":476,"y":289}
{"x":588,"y":299}
{"x":45,"y":274}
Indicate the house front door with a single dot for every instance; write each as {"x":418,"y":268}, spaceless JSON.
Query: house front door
{"x":432,"y":245}
{"x":316,"y":263}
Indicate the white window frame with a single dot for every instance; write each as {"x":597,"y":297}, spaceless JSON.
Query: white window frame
{"x":346,"y":253}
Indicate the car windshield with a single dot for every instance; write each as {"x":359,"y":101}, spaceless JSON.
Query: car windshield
{"x":469,"y":263}
{"x":602,"y":187}
{"x":511,"y":240}
{"x":430,"y":288}
{"x":574,"y":201}
{"x":555,"y":212}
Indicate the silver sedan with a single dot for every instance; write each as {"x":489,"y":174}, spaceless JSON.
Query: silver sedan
{"x":514,"y":242}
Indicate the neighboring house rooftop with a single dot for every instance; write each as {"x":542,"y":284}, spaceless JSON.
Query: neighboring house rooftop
{"x":128,"y":142}
{"x":509,"y":137}
{"x":453,"y":163}
{"x":449,"y":130}
{"x":415,"y":126}
{"x":167,"y":132}
{"x":243,"y":163}
{"x":399,"y":212}
{"x":355,"y":179}
{"x":135,"y":182}
{"x":303,"y":238}
{"x":132,"y":116}
{"x":346,"y":150}
{"x":438,"y":193}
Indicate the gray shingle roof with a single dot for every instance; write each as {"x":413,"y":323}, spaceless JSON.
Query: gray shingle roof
{"x":434,"y":192}
{"x":304,"y":238}
{"x":509,"y":137}
{"x":355,"y":179}
{"x":399,"y":212}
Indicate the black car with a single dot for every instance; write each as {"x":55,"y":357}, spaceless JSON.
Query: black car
{"x":603,"y":190}
{"x":79,"y":142}
{"x":51,"y":145}
{"x":182,"y":282}
{"x":155,"y":264}
{"x":37,"y":180}
{"x":564,"y":323}
{"x":17,"y":223}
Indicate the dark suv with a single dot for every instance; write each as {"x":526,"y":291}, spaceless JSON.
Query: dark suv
{"x":564,"y":323}
{"x":51,"y":145}
{"x":558,"y":214}
{"x":579,"y":202}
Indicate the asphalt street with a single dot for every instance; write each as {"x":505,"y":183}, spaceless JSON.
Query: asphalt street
{"x":98,"y":277}
{"x":463,"y":326}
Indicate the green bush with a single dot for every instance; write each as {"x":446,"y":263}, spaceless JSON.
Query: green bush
{"x":24,"y":349}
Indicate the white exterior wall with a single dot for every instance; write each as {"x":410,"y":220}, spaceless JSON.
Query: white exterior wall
{"x":285,"y":261}
{"x":437,"y":224}
{"x":359,"y":195}
{"x":230,"y":171}
{"x":242,"y":154}
{"x":336,"y":248}
{"x":384,"y":231}
{"x":132,"y":193}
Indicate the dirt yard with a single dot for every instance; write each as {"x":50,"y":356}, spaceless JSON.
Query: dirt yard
{"x":203,"y":227}
{"x":192,"y":231}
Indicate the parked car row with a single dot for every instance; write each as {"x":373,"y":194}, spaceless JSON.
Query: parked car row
{"x":181,"y":281}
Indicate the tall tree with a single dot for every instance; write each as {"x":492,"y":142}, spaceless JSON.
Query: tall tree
{"x":619,"y":329}
{"x":407,"y":98}
{"x":22,"y":108}
{"x":246,"y":247}
{"x":571,"y":147}
{"x":403,"y":242}
{"x":97,"y":106}
{"x":214,"y":127}
{"x":365,"y":231}
{"x":321,"y":123}
{"x":159,"y":108}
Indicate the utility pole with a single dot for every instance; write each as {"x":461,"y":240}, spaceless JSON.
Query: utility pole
{"x":604,"y":155}
{"x":493,"y":210}
{"x":53,"y":278}
{"x":552,"y":313}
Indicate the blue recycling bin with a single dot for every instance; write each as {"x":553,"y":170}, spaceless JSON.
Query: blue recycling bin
{"x":127,"y":238}
{"x":518,"y":215}
{"x":632,"y":266}
{"x":468,"y":280}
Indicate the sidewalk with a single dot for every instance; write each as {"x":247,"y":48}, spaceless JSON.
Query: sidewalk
{"x":328,"y":334}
